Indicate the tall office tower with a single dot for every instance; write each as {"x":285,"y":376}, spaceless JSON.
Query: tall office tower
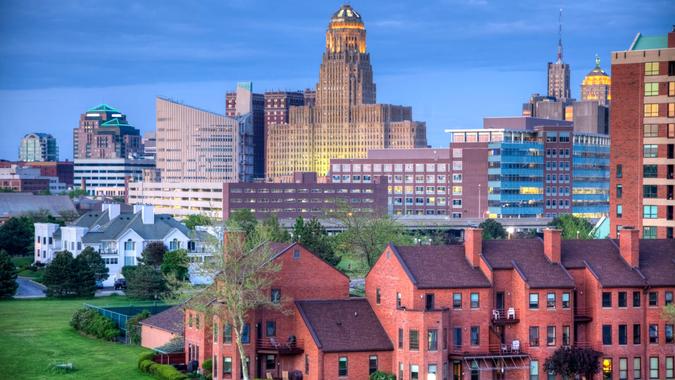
{"x":345,"y":121}
{"x":642,"y":174}
{"x":105,"y":133}
{"x":194,"y":145}
{"x":244,"y":101}
{"x":38,"y":147}
{"x":559,"y":72}
{"x":597,"y":85}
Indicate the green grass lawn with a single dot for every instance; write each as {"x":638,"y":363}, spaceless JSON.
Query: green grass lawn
{"x":36,"y":333}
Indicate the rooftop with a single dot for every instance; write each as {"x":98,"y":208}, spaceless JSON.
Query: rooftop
{"x":346,"y":14}
{"x":649,"y":42}
{"x":103,"y":108}
{"x":170,"y":320}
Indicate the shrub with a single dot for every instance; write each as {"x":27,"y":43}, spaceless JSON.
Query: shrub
{"x":380,"y":375}
{"x":145,"y":356}
{"x":90,"y":322}
{"x":134,"y":327}
{"x":207,"y":367}
{"x":159,"y":371}
{"x":8,"y":283}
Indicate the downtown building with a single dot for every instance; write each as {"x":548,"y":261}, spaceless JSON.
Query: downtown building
{"x":643,"y":137}
{"x":104,"y":133}
{"x":38,"y":147}
{"x":107,"y":178}
{"x":486,"y":309}
{"x":344,"y":120}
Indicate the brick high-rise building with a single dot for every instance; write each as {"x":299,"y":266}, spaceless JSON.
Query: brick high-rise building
{"x":104,"y":133}
{"x":345,"y":121}
{"x":642,"y":174}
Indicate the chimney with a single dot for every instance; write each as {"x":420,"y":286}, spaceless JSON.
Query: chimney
{"x":473,"y":245}
{"x":629,"y":246}
{"x":552,"y":245}
{"x":147,"y":213}
{"x":233,"y":237}
{"x":112,"y":208}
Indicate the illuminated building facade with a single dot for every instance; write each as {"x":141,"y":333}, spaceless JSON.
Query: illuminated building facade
{"x":596,"y":85}
{"x":345,"y":121}
{"x":104,"y":133}
{"x":643,"y":137}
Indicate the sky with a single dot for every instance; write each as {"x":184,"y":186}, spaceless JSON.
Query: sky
{"x":453,"y":61}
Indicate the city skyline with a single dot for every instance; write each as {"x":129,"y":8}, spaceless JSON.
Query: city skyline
{"x":202,"y":67}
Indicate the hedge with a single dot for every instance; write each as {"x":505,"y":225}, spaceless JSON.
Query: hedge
{"x":159,"y":371}
{"x":91,"y":323}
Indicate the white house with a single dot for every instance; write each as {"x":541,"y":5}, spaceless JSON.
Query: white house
{"x":119,"y":237}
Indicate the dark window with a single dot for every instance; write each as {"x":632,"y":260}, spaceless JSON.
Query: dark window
{"x":227,"y":365}
{"x":534,"y":300}
{"x":306,"y":364}
{"x":378,"y":296}
{"x":623,"y":302}
{"x":398,"y":300}
{"x":550,"y":300}
{"x":653,"y":333}
{"x":668,"y":297}
{"x":475,"y":301}
{"x":649,"y":191}
{"x":296,"y":254}
{"x":623,"y":334}
{"x":457,"y":300}
{"x":475,"y":335}
{"x":534,"y":336}
{"x":669,"y":333}
{"x":550,"y":335}
{"x":445,"y":338}
{"x":619,"y":171}
{"x":653,"y":299}
{"x":566,"y":336}
{"x":429,"y":303}
{"x":270,"y":362}
{"x":227,"y":333}
{"x":457,"y":338}
{"x":606,"y":299}
{"x":246,"y":334}
{"x":637,"y":334}
{"x":566,"y":300}
{"x":649,"y":171}
{"x":606,"y":334}
{"x":432,"y":340}
{"x":271,"y":328}
{"x":276,"y":296}
{"x":414,"y":340}
{"x":372,"y":364}
{"x":636,"y":299}
{"x":619,"y":191}
{"x":342,"y":366}
{"x":400,"y":338}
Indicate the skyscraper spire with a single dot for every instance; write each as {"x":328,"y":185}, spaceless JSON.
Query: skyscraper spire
{"x":560,"y":47}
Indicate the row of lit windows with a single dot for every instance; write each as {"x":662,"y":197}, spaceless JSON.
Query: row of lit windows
{"x":378,"y":168}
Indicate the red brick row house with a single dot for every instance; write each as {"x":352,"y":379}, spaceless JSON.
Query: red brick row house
{"x":493,"y":309}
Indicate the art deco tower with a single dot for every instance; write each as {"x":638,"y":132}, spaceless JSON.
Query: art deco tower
{"x":596,"y":85}
{"x":345,"y":121}
{"x":559,"y":72}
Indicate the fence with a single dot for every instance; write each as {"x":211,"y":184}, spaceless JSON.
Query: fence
{"x":120,"y":314}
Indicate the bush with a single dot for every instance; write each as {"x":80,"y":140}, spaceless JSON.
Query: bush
{"x":145,"y":356}
{"x":159,"y":371}
{"x":207,"y":367}
{"x":90,"y":322}
{"x":8,"y":283}
{"x":379,"y":375}
{"x":134,"y":327}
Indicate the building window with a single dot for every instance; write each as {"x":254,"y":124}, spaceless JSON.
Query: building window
{"x":653,"y":299}
{"x":550,"y":300}
{"x":566,"y":300}
{"x":342,"y":366}
{"x":671,"y":88}
{"x":619,"y":171}
{"x":227,"y":366}
{"x":671,"y":131}
{"x":246,"y":334}
{"x":400,"y":338}
{"x":651,"y":68}
{"x":669,"y":333}
{"x":623,"y":369}
{"x":306,"y":364}
{"x":475,"y":335}
{"x":566,"y":336}
{"x":215,"y":332}
{"x":623,"y":299}
{"x":654,"y":333}
{"x":668,"y":297}
{"x":669,"y":367}
{"x":650,"y":150}
{"x":129,"y":245}
{"x":271,"y":328}
{"x":649,"y":191}
{"x":276,"y":295}
{"x":534,"y":370}
{"x":671,"y":109}
{"x":534,"y":336}
{"x":414,"y":372}
{"x":649,"y":232}
{"x":377,"y":296}
{"x":606,"y":334}
{"x":653,"y":367}
{"x":637,"y":368}
{"x":400,"y":370}
{"x":414,"y":340}
{"x":650,"y":171}
{"x":429,"y":301}
{"x":651,"y":110}
{"x":431,"y":371}
{"x":650,"y":211}
{"x":475,"y":301}
{"x":651,"y":130}
{"x":636,"y":299}
{"x":607,"y":369}
{"x":623,"y":334}
{"x":227,"y":333}
{"x":372,"y":364}
{"x":550,"y":335}
{"x":398,"y":297}
{"x":619,"y":191}
{"x":432,"y":340}
{"x":534,"y":300}
{"x":637,"y":333}
{"x":457,"y":300}
{"x":651,"y":89}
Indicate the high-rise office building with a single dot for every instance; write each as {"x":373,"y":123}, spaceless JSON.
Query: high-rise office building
{"x":559,"y":72}
{"x":344,"y":121}
{"x":194,"y":145}
{"x":38,"y":147}
{"x":597,"y":85}
{"x":643,"y":137}
{"x":105,"y":133}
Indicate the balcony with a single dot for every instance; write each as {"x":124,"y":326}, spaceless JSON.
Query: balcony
{"x":508,"y":316}
{"x":514,"y":348}
{"x":272,"y":345}
{"x":499,"y":357}
{"x":582,"y":315}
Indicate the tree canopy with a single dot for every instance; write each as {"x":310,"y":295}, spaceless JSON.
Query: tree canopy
{"x":68,"y":276}
{"x":176,"y":264}
{"x":16,"y":236}
{"x":492,"y":229}
{"x":95,"y":262}
{"x":312,"y":235}
{"x":153,"y":254}
{"x":145,"y":282}
{"x":572,"y":227}
{"x":572,"y":361}
{"x":195,"y":220}
{"x":242,"y":219}
{"x":8,"y":283}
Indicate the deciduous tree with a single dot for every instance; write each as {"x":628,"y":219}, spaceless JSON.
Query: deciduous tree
{"x":492,"y":229}
{"x":573,"y":227}
{"x":8,"y":283}
{"x":175,"y":265}
{"x":153,"y":254}
{"x":573,"y":361}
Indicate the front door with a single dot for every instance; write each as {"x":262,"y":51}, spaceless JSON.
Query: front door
{"x":499,"y":302}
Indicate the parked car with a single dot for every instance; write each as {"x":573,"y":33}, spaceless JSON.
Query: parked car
{"x":120,"y":284}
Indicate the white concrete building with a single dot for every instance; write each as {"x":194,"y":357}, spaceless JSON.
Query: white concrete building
{"x":119,"y":237}
{"x":179,"y":199}
{"x":107,"y":177}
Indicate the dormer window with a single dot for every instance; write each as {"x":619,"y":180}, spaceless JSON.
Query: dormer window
{"x":174,"y":245}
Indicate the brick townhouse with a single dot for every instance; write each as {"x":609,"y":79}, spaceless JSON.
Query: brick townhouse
{"x":493,"y":309}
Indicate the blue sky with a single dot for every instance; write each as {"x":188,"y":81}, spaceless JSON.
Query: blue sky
{"x":454,"y":61}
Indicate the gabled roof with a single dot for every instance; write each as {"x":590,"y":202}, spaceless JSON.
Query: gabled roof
{"x":91,"y":219}
{"x":657,"y":261}
{"x":344,"y":325}
{"x":439,"y":267}
{"x":102,"y":108}
{"x":527,"y":257}
{"x":113,"y":229}
{"x":170,"y":320}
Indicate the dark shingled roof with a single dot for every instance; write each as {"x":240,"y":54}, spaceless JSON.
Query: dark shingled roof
{"x":344,"y":325}
{"x":528,"y":258}
{"x":657,"y":261}
{"x":170,"y":320}
{"x":440,"y":267}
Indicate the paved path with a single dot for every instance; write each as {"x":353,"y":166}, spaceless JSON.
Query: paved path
{"x":29,"y":289}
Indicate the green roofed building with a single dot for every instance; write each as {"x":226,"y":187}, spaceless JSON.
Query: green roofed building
{"x":105,"y":133}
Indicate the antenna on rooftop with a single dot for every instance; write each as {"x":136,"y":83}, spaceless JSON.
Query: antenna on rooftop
{"x":560,"y":46}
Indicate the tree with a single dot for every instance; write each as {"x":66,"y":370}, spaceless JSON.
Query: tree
{"x":77,"y":193}
{"x":153,"y":254}
{"x":572,"y":227}
{"x":271,"y":230}
{"x":668,"y":313}
{"x":16,"y":236}
{"x":242,"y":219}
{"x":134,"y":327}
{"x":195,"y":220}
{"x":59,"y":277}
{"x":245,"y":275}
{"x":492,"y":229}
{"x":8,"y":283}
{"x":94,"y":261}
{"x":84,"y":275}
{"x":572,"y":361}
{"x":175,"y":265}
{"x":313,"y":236}
{"x":144,"y":282}
{"x":366,"y":235}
